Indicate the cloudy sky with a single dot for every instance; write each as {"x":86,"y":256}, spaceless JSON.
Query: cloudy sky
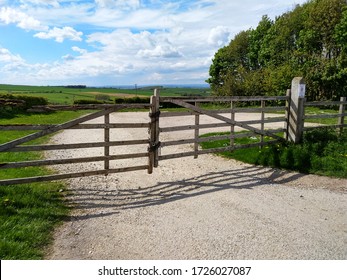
{"x":120,"y":42}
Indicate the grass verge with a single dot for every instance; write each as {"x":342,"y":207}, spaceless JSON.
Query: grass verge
{"x":29,"y":212}
{"x":323,"y":152}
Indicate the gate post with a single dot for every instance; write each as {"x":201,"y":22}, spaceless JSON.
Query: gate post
{"x":341,"y":112}
{"x":296,"y":110}
{"x":153,"y":156}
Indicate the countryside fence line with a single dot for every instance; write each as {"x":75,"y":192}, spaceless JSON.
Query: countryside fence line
{"x":43,"y":130}
{"x":293,"y":120}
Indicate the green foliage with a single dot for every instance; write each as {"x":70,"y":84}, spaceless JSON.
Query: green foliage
{"x":28,"y":102}
{"x":322,"y":151}
{"x":309,"y":41}
{"x":29,"y":212}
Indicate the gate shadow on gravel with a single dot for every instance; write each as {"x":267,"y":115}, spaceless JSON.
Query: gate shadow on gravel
{"x":111,"y":202}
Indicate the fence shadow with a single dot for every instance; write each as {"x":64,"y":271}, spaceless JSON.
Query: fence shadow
{"x":111,"y":202}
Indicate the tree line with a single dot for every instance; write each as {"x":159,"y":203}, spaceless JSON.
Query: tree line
{"x":308,"y":41}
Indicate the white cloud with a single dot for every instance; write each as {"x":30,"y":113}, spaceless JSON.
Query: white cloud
{"x":60,"y":34}
{"x":123,"y":4}
{"x":135,"y":42}
{"x":219,"y":36}
{"x":53,"y":3}
{"x":68,"y":57}
{"x":7,"y":57}
{"x":165,"y":51}
{"x":10,"y":15}
{"x":77,"y":49}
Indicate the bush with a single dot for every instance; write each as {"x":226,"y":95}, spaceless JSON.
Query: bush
{"x":29,"y":101}
{"x":323,"y":151}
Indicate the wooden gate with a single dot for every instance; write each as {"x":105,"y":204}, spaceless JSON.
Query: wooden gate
{"x":226,"y":117}
{"x":104,"y":111}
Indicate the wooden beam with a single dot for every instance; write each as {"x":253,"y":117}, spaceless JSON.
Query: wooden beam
{"x":229,"y":121}
{"x":53,"y":129}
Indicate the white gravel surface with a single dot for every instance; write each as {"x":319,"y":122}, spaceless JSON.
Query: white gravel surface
{"x":205,"y":208}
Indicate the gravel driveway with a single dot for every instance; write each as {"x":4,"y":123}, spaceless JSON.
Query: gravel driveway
{"x":205,"y":208}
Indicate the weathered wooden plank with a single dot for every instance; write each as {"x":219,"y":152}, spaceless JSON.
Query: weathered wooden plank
{"x":324,"y":103}
{"x":69,"y":160}
{"x":53,"y":129}
{"x":217,"y":150}
{"x":24,"y":127}
{"x":111,"y":125}
{"x":222,"y":99}
{"x":243,"y":125}
{"x":342,"y":111}
{"x":216,"y":125}
{"x":196,"y":133}
{"x":70,"y":175}
{"x":224,"y":111}
{"x":116,"y":107}
{"x":215,"y":138}
{"x":77,"y":146}
{"x":325,"y":116}
{"x":164,"y":114}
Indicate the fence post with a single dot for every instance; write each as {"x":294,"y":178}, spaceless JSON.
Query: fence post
{"x":196,"y":133}
{"x":262,"y":124}
{"x":232,"y":127}
{"x":154,"y":112}
{"x":296,"y":111}
{"x":107,"y":140}
{"x":342,"y":110}
{"x":287,"y":114}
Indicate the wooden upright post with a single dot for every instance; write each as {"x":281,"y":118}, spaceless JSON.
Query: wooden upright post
{"x":196,"y":133}
{"x":296,"y":112}
{"x":153,"y":155}
{"x":262,"y":124}
{"x":342,"y":111}
{"x":107,"y":140}
{"x":232,"y":127}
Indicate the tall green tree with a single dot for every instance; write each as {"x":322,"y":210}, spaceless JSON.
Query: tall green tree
{"x":310,"y":41}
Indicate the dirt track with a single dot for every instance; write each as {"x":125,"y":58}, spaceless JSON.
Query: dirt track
{"x":208,"y":208}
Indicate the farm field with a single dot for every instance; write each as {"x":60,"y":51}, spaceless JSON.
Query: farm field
{"x":67,"y":96}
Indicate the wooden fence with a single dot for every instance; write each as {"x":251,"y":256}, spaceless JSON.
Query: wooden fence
{"x":76,"y":124}
{"x":225,"y":117}
{"x":292,"y":118}
{"x":340,"y":115}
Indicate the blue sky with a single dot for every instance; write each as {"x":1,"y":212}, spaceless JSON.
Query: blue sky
{"x":120,"y":42}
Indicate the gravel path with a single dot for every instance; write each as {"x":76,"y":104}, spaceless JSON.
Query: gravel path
{"x":207,"y":208}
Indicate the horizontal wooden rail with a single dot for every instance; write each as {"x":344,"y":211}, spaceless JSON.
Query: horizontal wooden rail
{"x":216,"y":150}
{"x":324,"y":103}
{"x":116,"y":107}
{"x":215,"y":138}
{"x":321,"y":116}
{"x":223,"y":99}
{"x":215,"y":125}
{"x":32,"y":148}
{"x":70,"y":175}
{"x":225,"y":111}
{"x":69,"y":161}
{"x":23,"y":127}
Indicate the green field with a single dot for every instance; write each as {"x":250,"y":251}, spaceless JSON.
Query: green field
{"x":64,"y":95}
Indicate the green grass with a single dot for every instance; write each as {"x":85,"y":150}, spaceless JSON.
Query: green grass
{"x":29,"y":212}
{"x":311,"y":111}
{"x":322,"y":152}
{"x":63,"y":95}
